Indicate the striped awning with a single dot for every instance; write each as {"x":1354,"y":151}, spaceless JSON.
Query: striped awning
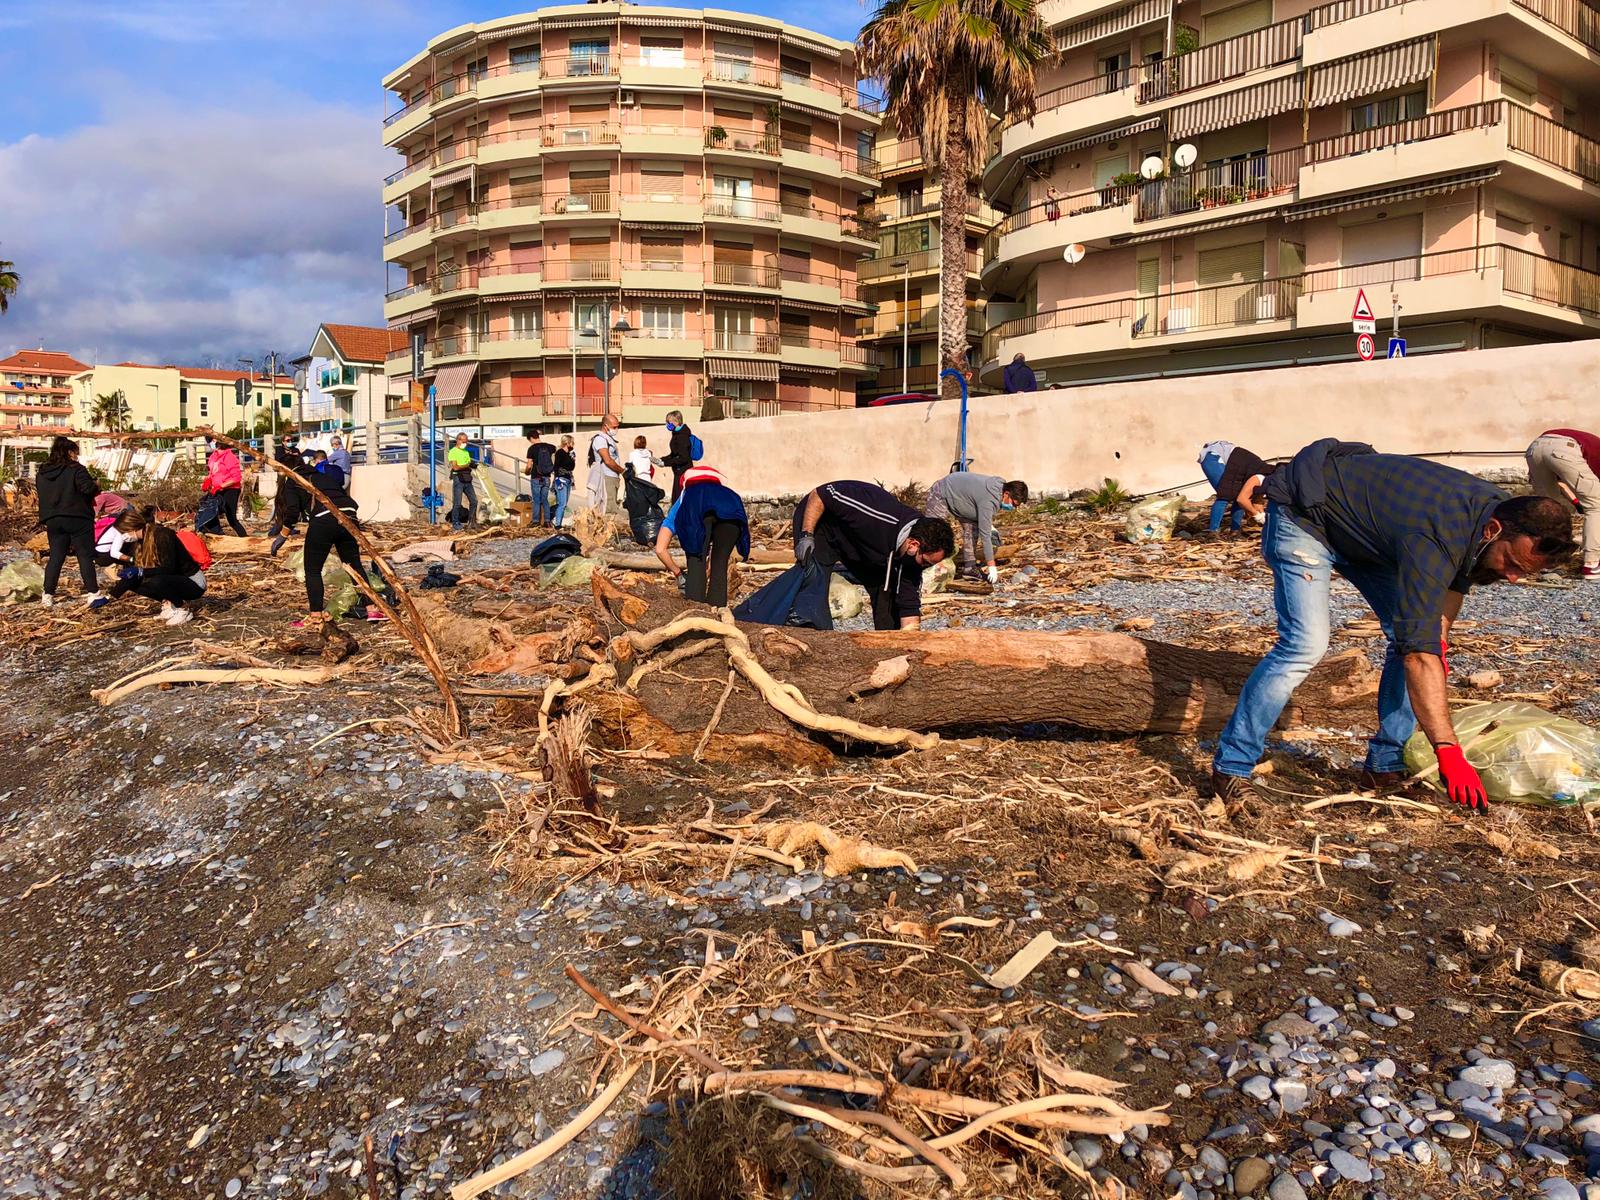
{"x":1093,"y":139}
{"x":1236,"y":108}
{"x":1388,"y":195}
{"x":581,"y":23}
{"x":742,"y":368}
{"x":511,"y":31}
{"x":796,"y":37}
{"x":451,"y":383}
{"x":1118,"y":20}
{"x":812,"y":110}
{"x":664,"y":22}
{"x":812,"y":368}
{"x":514,"y":297}
{"x":416,"y":318}
{"x":1364,"y":74}
{"x":453,"y":177}
{"x":663,"y":294}
{"x":1197,"y":227}
{"x":749,"y":31}
{"x":807,"y":306}
{"x":662,"y":226}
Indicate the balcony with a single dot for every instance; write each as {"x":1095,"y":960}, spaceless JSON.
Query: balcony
{"x":669,"y":141}
{"x":898,"y":157}
{"x":920,"y":262}
{"x":654,"y":274}
{"x":457,"y":88}
{"x":402,"y":243}
{"x":406,"y":179}
{"x":1082,"y":106}
{"x":1259,"y":50}
{"x":822,"y":95}
{"x":741,"y":73}
{"x":405,"y":121}
{"x":661,"y":70}
{"x":583,"y":270}
{"x":660,"y":208}
{"x":1261,"y":181}
{"x":816,"y":287}
{"x":453,"y":281}
{"x":1042,"y":230}
{"x":662,"y":342}
{"x":742,"y":139}
{"x":516,"y":212}
{"x":557,"y":137}
{"x":1472,"y":281}
{"x":462,"y":220}
{"x":407,"y":299}
{"x":732,"y":341}
{"x":1444,"y":142}
{"x":742,"y":209}
{"x":827,"y":161}
{"x":804,"y":349}
{"x":506,"y":279}
{"x":577,"y":205}
{"x":1521,"y":28}
{"x":510,"y":146}
{"x":509,"y":344}
{"x":743,"y":275}
{"x":338,"y":380}
{"x":580,"y":68}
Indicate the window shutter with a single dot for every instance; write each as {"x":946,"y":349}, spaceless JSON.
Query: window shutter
{"x":1231,"y":264}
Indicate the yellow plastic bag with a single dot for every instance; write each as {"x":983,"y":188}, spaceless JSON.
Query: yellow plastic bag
{"x":1152,"y":520}
{"x":1530,"y":756}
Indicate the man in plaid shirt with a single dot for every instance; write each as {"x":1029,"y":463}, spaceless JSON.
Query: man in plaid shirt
{"x":1412,"y":536}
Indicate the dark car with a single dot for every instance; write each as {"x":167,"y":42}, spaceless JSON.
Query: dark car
{"x":902,"y":398}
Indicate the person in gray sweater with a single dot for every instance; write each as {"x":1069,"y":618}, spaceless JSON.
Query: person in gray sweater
{"x":971,"y":501}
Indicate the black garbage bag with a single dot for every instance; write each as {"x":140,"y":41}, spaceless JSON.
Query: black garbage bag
{"x":554,"y":549}
{"x":438,"y":577}
{"x":798,"y":596}
{"x":641,"y":500}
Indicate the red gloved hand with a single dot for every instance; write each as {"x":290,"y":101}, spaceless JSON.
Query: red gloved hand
{"x":1461,"y":782}
{"x":1444,"y":656}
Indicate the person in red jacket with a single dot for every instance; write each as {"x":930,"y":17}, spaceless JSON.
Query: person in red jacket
{"x":1564,"y":464}
{"x":224,"y":480}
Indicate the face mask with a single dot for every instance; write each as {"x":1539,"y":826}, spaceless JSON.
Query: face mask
{"x":1007,"y":506}
{"x":671,"y":428}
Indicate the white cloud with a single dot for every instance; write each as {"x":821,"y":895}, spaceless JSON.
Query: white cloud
{"x":162,"y":233}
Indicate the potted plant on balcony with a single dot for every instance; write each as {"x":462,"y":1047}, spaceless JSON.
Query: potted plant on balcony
{"x":716,"y":135}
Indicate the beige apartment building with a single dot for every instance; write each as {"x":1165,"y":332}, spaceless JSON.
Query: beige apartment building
{"x":900,"y":281}
{"x":36,"y":395}
{"x":1438,"y":154}
{"x":675,"y":191}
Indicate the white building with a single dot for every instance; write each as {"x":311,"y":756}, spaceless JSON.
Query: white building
{"x":345,"y":383}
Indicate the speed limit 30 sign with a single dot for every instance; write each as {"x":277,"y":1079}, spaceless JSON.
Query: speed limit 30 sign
{"x":1365,"y":347}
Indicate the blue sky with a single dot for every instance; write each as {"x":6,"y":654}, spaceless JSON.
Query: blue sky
{"x":191,"y":181}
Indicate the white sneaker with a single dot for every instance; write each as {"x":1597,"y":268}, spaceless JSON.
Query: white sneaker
{"x":47,"y":600}
{"x":178,"y":616}
{"x":91,"y":597}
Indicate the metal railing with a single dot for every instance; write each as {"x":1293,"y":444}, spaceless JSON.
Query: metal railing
{"x":535,"y":204}
{"x":1573,"y":17}
{"x":750,"y":139}
{"x":739,"y":70}
{"x":744,"y":275}
{"x":584,"y":270}
{"x":411,"y":168}
{"x":598,"y":134}
{"x":1523,"y":273}
{"x":853,"y":354}
{"x":1228,"y":59}
{"x":579,"y":66}
{"x":918,"y":262}
{"x":1105,"y":84}
{"x":746,"y":343}
{"x":1245,"y":179}
{"x":1345,"y":10}
{"x":859,"y":164}
{"x":578,"y":202}
{"x":1418,"y":129}
{"x":397,"y":234}
{"x":1053,"y":208}
{"x":455,"y":85}
{"x":1552,"y":142}
{"x":753,"y":408}
{"x":456,"y":152}
{"x":462,"y":216}
{"x":405,"y":109}
{"x":741,"y":208}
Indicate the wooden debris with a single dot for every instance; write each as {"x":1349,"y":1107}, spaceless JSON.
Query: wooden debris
{"x":844,"y":854}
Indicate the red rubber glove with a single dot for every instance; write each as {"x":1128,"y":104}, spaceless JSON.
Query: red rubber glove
{"x":1461,"y":782}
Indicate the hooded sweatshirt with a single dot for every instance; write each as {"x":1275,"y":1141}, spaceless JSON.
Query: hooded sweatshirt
{"x":66,"y":491}
{"x":866,"y":526}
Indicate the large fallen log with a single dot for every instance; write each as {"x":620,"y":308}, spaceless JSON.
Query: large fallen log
{"x":931,"y":680}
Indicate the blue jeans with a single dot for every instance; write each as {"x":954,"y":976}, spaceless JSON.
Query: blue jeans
{"x":461,"y":485}
{"x":539,"y":493}
{"x":1302,"y":572}
{"x":563,"y":489}
{"x":1212,"y":467}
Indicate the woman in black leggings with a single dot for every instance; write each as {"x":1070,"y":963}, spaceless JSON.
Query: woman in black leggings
{"x":162,"y":568}
{"x":324,"y":535}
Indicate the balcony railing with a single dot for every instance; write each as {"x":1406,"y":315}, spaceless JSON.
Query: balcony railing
{"x":1419,"y":129}
{"x":899,"y":154}
{"x":395,"y":235}
{"x":744,"y":343}
{"x":1523,"y":273}
{"x":1228,"y":59}
{"x":1573,"y":17}
{"x":602,"y":134}
{"x":744,"y":275}
{"x":584,"y":270}
{"x":742,"y":209}
{"x":740,"y":70}
{"x":1345,"y":10}
{"x":1253,"y":178}
{"x":533,"y":204}
{"x":1082,"y":89}
{"x":853,"y":354}
{"x":456,"y":85}
{"x":918,"y":262}
{"x":579,"y":66}
{"x":1107,"y":195}
{"x":405,"y":110}
{"x":1550,"y":141}
{"x":456,"y":152}
{"x":750,"y":139}
{"x":461,"y":216}
{"x":753,"y":408}
{"x":578,"y":202}
{"x":860,"y":164}
{"x":410,"y":168}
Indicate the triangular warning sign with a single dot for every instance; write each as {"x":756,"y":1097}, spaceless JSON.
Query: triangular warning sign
{"x":1363,"y":310}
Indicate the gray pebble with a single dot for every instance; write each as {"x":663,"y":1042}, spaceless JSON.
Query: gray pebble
{"x":1286,"y":1187}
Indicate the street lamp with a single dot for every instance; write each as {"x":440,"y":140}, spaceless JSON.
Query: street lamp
{"x":244,"y":409}
{"x":905,"y":324}
{"x":621,"y":326}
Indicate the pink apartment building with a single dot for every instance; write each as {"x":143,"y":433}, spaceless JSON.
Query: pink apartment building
{"x":681,"y":191}
{"x":1234,"y":173}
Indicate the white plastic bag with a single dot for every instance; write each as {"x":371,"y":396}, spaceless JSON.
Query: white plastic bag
{"x":1530,"y":756}
{"x":20,"y":581}
{"x":845,"y":599}
{"x":572,"y":571}
{"x":1152,"y":520}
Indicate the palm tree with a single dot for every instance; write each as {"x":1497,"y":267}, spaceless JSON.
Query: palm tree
{"x":949,"y":66}
{"x":8,"y":282}
{"x":111,"y":412}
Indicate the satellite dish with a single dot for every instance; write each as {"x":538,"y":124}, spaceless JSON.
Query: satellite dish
{"x":1152,"y":167}
{"x":1074,"y":253}
{"x":1185,"y":155}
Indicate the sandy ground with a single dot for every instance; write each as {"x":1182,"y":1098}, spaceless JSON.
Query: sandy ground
{"x":240,"y":933}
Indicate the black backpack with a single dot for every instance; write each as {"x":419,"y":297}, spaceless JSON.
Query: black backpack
{"x":544,"y":460}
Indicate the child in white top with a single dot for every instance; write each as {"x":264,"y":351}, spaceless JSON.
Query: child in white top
{"x":642,"y":461}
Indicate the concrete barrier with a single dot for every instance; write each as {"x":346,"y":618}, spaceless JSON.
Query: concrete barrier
{"x":1147,"y":435}
{"x":381,"y":490}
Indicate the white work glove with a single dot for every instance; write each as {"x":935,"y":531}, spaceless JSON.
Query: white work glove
{"x":992,"y":574}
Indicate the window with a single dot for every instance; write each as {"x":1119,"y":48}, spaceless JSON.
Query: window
{"x":590,"y":56}
{"x":478,"y":68}
{"x":661,"y":51}
{"x":259,"y":400}
{"x":1518,"y":82}
{"x":737,"y":389}
{"x":735,"y":328}
{"x":1391,"y":111}
{"x":205,"y":406}
{"x":524,"y":58}
{"x":661,"y":181}
{"x":661,"y":253}
{"x":525,"y":323}
{"x":735,"y":197}
{"x":1231,"y":22}
{"x":1115,"y":69}
{"x":661,"y":320}
{"x":795,"y":70}
{"x":910,"y":199}
{"x":285,"y":400}
{"x":734,"y":61}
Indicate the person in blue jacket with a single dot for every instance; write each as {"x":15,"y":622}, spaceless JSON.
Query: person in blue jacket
{"x":709,"y":521}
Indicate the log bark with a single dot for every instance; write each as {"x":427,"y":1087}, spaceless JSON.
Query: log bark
{"x":973,"y":679}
